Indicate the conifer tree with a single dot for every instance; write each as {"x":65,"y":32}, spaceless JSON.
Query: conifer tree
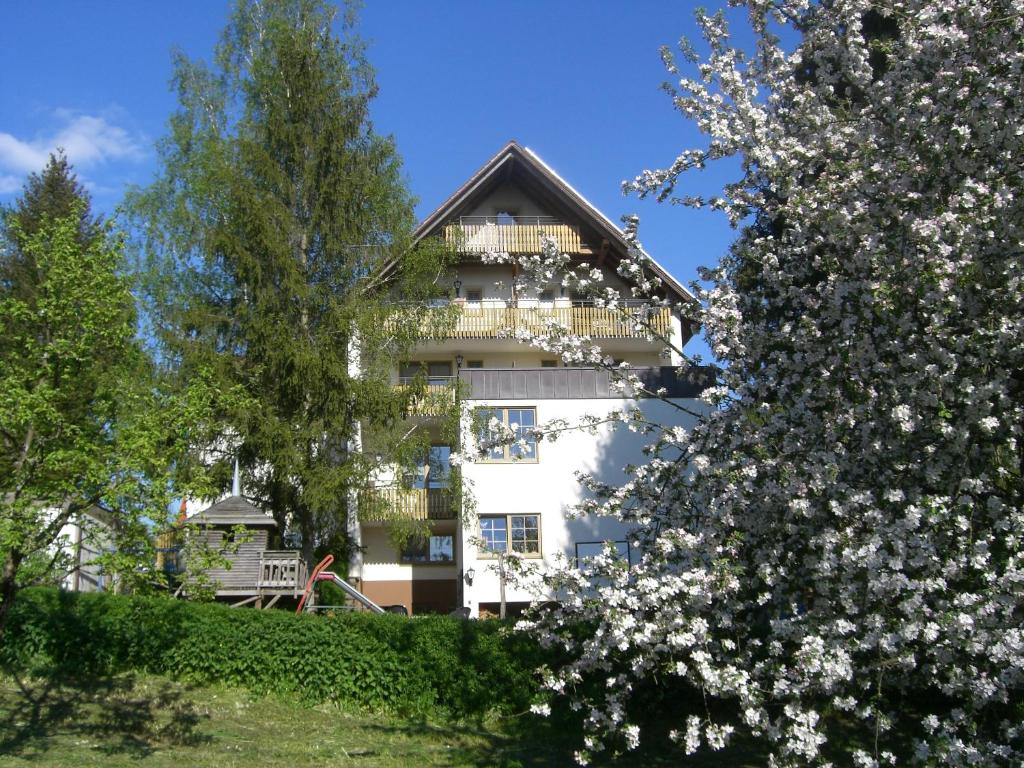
{"x":276,"y":214}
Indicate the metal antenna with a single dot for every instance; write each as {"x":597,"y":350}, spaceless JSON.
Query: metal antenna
{"x":236,"y":484}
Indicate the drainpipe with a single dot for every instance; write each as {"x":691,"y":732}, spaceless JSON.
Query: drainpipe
{"x":76,"y":578}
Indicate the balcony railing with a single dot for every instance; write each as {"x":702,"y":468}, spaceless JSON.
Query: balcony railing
{"x":436,"y":385}
{"x":411,"y":503}
{"x":492,"y":321}
{"x":281,"y":569}
{"x":484,"y":322}
{"x":438,"y":397}
{"x":511,"y":234}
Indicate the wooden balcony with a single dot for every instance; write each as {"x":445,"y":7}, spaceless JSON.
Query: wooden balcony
{"x":411,"y":503}
{"x":482,"y":234}
{"x":490,"y":322}
{"x":281,"y":570}
{"x":438,"y":398}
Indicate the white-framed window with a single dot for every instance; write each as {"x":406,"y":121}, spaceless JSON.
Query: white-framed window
{"x":521,"y":421}
{"x":474,"y":297}
{"x":500,"y":534}
{"x":588,"y":550}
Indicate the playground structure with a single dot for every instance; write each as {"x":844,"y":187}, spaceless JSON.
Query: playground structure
{"x":256,"y":575}
{"x":320,"y":573}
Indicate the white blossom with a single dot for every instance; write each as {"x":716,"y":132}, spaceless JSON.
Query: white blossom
{"x":842,"y":531}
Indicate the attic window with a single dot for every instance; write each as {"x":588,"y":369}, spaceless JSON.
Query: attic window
{"x":504,"y":217}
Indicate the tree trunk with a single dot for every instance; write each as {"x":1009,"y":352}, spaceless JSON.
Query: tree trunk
{"x":8,"y":587}
{"x":306,"y":530}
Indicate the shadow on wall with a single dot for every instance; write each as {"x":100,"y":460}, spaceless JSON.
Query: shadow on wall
{"x":620,"y":447}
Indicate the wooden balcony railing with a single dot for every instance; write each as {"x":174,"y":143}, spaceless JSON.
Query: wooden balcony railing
{"x":471,"y":236}
{"x":497,"y":321}
{"x":597,"y":322}
{"x":438,"y":397}
{"x":281,"y":569}
{"x":412,"y":503}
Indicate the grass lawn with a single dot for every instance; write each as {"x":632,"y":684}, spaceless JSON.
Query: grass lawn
{"x":151,"y":722}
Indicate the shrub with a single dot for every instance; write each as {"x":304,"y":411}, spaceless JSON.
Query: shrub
{"x":437,"y":665}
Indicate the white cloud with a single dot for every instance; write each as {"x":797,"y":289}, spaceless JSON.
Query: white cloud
{"x":87,"y":140}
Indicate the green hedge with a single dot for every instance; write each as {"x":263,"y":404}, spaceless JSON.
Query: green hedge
{"x":437,"y":665}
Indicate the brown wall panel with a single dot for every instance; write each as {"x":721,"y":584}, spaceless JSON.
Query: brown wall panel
{"x":419,"y":596}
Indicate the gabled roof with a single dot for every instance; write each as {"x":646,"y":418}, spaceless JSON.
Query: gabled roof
{"x":514,"y":162}
{"x":234,"y":510}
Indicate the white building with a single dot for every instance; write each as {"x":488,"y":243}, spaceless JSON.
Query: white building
{"x":81,"y":541}
{"x":520,"y":501}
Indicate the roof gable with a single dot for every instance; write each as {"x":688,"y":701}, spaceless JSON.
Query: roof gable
{"x":234,"y":510}
{"x":522,"y":167}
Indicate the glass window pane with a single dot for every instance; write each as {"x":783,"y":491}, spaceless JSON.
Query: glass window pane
{"x":526,"y":534}
{"x":494,"y":534}
{"x":440,"y":549}
{"x":416,"y":550}
{"x":486,"y":434}
{"x":438,"y":466}
{"x":524,"y":421}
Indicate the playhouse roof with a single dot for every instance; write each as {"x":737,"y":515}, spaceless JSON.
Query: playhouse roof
{"x":234,"y":510}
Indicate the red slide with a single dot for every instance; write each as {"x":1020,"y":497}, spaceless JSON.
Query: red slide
{"x":321,"y":566}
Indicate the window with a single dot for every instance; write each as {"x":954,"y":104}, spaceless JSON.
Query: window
{"x":546,"y":297}
{"x":428,"y":549}
{"x":510,"y":533}
{"x":474,"y":363}
{"x":548,"y":363}
{"x":434,"y":470}
{"x":504,"y":217}
{"x":474,"y":296}
{"x":588,"y":550}
{"x":438,"y":372}
{"x":521,"y":421}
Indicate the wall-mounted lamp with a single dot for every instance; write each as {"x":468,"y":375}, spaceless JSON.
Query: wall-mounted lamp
{"x":459,"y":360}
{"x":470,"y":575}
{"x":457,"y":285}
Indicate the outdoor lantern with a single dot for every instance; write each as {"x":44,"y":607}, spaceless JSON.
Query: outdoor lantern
{"x":457,"y":285}
{"x":459,"y":360}
{"x":470,"y":575}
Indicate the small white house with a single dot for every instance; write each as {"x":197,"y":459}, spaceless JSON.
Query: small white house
{"x":83,"y":540}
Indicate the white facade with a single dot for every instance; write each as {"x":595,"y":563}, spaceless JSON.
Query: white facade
{"x":520,"y":505}
{"x":548,"y":487}
{"x":81,"y":541}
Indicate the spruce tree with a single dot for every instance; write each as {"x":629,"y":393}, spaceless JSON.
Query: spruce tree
{"x":276,"y":214}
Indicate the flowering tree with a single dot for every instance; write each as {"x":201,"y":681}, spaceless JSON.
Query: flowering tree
{"x":836,"y":547}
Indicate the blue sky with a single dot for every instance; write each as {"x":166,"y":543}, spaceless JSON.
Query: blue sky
{"x":577,"y":82}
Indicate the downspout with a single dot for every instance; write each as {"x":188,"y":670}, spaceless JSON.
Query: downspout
{"x":76,"y":578}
